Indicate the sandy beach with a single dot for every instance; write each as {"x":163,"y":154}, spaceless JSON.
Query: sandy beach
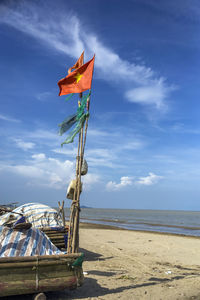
{"x":122,"y":264}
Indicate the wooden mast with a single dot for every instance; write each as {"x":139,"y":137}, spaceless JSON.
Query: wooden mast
{"x":73,"y":237}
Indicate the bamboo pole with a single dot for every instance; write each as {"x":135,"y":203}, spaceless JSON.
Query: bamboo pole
{"x":72,"y":214}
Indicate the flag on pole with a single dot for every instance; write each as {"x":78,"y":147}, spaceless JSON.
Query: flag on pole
{"x":77,"y":81}
{"x":78,"y":64}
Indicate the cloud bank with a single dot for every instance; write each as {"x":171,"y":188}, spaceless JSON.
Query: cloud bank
{"x":43,"y":171}
{"x":65,"y":33}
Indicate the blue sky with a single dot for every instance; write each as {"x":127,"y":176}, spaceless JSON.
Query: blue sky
{"x":143,"y":146}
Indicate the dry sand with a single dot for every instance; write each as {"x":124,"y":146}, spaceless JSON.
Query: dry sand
{"x":122,"y":264}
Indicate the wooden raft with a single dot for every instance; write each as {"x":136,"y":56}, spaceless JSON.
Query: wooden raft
{"x":34,"y":274}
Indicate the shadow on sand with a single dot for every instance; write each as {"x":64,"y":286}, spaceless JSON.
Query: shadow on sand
{"x":92,"y":256}
{"x":92,"y":289}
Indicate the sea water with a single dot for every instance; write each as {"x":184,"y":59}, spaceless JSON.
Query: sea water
{"x":168,"y":221}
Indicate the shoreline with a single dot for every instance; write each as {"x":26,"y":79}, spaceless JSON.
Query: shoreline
{"x":141,"y":223}
{"x":87,"y":225}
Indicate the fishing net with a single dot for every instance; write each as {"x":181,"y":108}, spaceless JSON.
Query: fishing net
{"x":77,"y":119}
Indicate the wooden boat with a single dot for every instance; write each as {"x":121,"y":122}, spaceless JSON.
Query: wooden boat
{"x":23,"y":271}
{"x":35,"y":274}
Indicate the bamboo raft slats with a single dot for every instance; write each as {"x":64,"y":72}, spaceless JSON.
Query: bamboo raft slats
{"x":57,"y":236}
{"x":34,"y":274}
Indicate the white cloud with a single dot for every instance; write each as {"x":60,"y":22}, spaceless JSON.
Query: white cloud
{"x":90,"y":179}
{"x":45,"y":171}
{"x":124,"y":181}
{"x":65,"y":33}
{"x":24,"y":145}
{"x":128,"y":181}
{"x":9,"y":119}
{"x":149,"y":180}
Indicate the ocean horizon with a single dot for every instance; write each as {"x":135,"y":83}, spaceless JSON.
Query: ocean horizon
{"x":164,"y":221}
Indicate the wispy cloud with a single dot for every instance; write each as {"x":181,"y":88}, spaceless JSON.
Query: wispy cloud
{"x":24,"y":145}
{"x":154,"y":93}
{"x":9,"y":119}
{"x":44,"y":96}
{"x":65,"y":33}
{"x":97,"y":133}
{"x":105,"y":149}
{"x":66,"y":151}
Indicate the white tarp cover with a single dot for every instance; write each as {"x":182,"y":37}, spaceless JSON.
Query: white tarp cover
{"x":39,"y":215}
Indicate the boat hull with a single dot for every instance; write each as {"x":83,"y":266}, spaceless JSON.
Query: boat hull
{"x":34,"y":274}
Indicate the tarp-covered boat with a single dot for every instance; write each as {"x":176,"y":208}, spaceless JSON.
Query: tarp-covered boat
{"x":31,"y":263}
{"x":41,"y":216}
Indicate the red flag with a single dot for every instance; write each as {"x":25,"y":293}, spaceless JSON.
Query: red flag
{"x":78,"y":64}
{"x":77,"y":81}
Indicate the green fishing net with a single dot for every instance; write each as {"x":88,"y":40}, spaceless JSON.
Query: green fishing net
{"x":77,"y":119}
{"x":67,"y":124}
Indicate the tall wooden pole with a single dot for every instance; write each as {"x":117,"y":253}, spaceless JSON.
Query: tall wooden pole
{"x":73,"y":236}
{"x":75,"y":241}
